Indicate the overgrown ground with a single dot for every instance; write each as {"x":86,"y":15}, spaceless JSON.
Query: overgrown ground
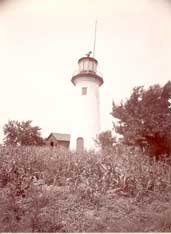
{"x":46,"y":190}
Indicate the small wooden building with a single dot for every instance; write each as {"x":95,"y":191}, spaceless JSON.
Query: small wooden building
{"x":58,"y":140}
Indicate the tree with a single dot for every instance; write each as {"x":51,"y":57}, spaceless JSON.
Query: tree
{"x":145,"y":119}
{"x":105,"y":140}
{"x":22,"y":133}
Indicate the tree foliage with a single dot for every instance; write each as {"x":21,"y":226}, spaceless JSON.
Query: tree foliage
{"x":145,"y":119}
{"x":22,"y":133}
{"x":105,"y":140}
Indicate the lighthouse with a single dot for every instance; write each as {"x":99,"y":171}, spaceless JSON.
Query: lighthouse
{"x":87,"y":117}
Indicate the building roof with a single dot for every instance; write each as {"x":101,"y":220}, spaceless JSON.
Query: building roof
{"x":87,"y":58}
{"x":60,"y":136}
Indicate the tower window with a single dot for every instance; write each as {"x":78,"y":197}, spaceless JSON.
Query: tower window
{"x":84,"y":91}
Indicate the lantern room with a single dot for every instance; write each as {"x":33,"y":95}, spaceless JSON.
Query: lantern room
{"x":87,"y":68}
{"x":87,"y":64}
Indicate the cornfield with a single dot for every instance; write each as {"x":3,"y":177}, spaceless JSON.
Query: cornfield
{"x":49,"y":190}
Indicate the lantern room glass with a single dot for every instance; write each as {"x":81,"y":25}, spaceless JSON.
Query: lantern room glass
{"x":87,"y":65}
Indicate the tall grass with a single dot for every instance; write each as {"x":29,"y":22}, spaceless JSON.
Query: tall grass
{"x":47,"y":190}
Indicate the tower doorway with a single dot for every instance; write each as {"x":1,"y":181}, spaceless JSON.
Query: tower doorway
{"x":80,"y":144}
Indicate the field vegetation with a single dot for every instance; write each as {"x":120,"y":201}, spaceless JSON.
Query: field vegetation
{"x":119,"y":190}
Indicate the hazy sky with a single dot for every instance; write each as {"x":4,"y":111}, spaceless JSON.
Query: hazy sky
{"x":41,"y":41}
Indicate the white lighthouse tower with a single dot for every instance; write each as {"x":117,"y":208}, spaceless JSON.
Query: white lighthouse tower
{"x":87,"y":119}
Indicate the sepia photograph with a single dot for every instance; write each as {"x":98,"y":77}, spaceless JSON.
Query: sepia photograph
{"x":85,"y":116}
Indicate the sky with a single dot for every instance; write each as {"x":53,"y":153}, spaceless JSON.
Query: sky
{"x":42,"y":40}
